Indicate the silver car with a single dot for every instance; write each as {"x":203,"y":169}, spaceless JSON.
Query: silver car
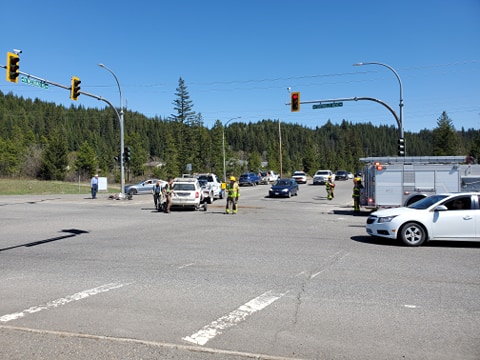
{"x":144,"y":187}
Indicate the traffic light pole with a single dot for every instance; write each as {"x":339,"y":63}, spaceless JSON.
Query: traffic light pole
{"x":30,"y":76}
{"x":356,"y":99}
{"x":120,"y":121}
{"x":119,"y":116}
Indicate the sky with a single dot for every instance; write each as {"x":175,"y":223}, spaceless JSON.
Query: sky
{"x":239,"y":58}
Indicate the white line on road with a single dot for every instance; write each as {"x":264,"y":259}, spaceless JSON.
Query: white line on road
{"x":211,"y":330}
{"x":186,"y":265}
{"x":62,"y":301}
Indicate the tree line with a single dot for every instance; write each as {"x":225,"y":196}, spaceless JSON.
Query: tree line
{"x":43,"y":140}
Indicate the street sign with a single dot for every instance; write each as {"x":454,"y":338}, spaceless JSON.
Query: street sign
{"x":34,"y":82}
{"x":328,"y":105}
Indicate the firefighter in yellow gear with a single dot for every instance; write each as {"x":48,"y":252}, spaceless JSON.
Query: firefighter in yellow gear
{"x":357,"y":189}
{"x":330,"y":186}
{"x":233,"y":192}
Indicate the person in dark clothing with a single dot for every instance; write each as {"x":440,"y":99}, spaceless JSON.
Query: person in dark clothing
{"x":94,"y":186}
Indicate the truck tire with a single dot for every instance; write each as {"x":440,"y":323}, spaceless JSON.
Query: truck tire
{"x":413,"y":234}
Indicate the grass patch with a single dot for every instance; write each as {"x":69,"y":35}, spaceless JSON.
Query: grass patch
{"x":41,"y":187}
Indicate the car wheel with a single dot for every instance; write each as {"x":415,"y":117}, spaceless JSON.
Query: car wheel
{"x":413,"y":234}
{"x":289,"y":194}
{"x":132,"y":192}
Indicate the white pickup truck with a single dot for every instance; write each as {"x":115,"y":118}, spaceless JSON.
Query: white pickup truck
{"x":215,"y":184}
{"x":272,"y":176}
{"x":269,"y":177}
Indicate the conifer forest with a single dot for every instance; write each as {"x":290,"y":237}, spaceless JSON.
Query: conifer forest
{"x":46,"y":141}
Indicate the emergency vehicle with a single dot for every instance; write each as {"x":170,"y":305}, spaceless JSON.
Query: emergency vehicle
{"x":400,"y":181}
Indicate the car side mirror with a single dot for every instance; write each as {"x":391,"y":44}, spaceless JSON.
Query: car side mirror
{"x":441,"y":208}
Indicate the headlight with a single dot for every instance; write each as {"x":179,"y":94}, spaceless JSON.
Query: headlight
{"x":284,"y":190}
{"x":386,"y":219}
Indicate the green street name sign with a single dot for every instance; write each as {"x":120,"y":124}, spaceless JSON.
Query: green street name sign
{"x":328,"y":105}
{"x":34,"y":82}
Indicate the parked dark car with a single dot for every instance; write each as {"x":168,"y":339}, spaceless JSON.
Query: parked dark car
{"x":284,"y":188}
{"x":341,"y":175}
{"x":249,"y":178}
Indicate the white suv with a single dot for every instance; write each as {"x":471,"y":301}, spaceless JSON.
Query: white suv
{"x":187,"y":193}
{"x":321,"y":176}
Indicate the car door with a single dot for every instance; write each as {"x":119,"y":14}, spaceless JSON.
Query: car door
{"x":147,"y":186}
{"x":456,"y":223}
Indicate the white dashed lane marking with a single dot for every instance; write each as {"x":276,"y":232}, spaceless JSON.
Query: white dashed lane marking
{"x":216,"y":327}
{"x":62,"y":301}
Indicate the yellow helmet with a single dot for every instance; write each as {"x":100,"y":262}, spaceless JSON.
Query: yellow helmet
{"x":232,"y":178}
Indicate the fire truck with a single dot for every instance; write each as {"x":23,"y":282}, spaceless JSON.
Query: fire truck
{"x":400,"y":181}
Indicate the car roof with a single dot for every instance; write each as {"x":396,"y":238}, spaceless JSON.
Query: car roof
{"x":457,"y":193}
{"x":185,"y":180}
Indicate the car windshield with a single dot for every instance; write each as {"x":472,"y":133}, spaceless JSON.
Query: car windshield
{"x":425,"y":203}
{"x":282,"y":183}
{"x":322,"y":173}
{"x":187,"y":187}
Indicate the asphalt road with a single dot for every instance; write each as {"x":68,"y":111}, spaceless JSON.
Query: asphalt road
{"x":290,"y":278}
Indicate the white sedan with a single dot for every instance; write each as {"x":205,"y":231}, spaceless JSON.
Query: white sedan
{"x":452,"y":217}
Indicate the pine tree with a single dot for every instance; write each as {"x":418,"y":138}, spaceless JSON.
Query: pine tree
{"x":445,"y":141}
{"x":55,"y":157}
{"x":86,"y":162}
{"x":183,"y":121}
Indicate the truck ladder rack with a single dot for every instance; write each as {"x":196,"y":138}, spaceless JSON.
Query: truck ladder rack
{"x":415,"y":159}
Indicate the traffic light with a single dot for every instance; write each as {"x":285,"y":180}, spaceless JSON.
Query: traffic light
{"x":75,"y":88}
{"x":401,"y":147}
{"x":127,"y":154}
{"x":12,"y":67}
{"x":295,"y":101}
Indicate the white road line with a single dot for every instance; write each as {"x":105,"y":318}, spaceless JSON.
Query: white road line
{"x":62,"y":301}
{"x":186,"y":265}
{"x":216,"y":327}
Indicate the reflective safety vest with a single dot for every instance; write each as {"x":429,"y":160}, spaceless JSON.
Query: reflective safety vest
{"x":232,"y":190}
{"x":356,"y":191}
